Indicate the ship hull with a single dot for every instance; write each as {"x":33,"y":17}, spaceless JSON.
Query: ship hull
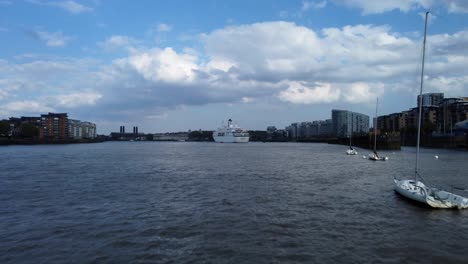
{"x":230,"y":139}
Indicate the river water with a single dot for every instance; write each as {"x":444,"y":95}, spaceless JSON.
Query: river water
{"x":181,"y":202}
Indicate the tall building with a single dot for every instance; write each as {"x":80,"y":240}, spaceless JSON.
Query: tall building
{"x":89,"y":130}
{"x":15,"y":124}
{"x":303,"y":131}
{"x":81,"y":130}
{"x":346,"y":122}
{"x":75,"y":130}
{"x":431,"y":99}
{"x":325,"y":128}
{"x":54,"y":125}
{"x":450,"y":112}
{"x":293,"y":130}
{"x":319,"y":128}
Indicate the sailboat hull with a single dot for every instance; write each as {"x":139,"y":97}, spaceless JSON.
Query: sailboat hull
{"x":414,"y":190}
{"x":374,"y":157}
{"x":351,"y":152}
{"x":433,"y":197}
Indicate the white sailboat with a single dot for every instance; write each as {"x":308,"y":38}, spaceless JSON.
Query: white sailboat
{"x":374,"y":156}
{"x":351,"y":150}
{"x":417,"y":189}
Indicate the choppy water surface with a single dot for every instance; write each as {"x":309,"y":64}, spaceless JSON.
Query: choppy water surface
{"x":149,"y":202}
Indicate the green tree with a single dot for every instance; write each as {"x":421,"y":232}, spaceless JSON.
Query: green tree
{"x":4,"y":128}
{"x":29,"y":130}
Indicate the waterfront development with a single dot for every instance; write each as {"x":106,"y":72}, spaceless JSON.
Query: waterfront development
{"x":180,"y":202}
{"x":318,"y":178}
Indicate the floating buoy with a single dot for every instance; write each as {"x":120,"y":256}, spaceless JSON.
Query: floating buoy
{"x":363,"y":157}
{"x":436,"y":157}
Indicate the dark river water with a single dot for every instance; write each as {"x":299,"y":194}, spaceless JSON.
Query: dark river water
{"x":150,"y":202}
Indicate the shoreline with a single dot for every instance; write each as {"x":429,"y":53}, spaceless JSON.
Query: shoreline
{"x":9,"y":142}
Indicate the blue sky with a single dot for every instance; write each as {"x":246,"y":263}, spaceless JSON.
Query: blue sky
{"x":179,"y":65}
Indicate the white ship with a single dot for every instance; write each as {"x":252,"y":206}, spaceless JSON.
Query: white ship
{"x":230,"y":134}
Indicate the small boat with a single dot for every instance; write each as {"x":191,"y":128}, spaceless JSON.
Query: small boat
{"x":417,"y":188}
{"x":230,"y":133}
{"x":351,"y":150}
{"x":374,"y":156}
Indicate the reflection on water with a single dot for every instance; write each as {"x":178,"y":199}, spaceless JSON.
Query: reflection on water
{"x":222,"y":203}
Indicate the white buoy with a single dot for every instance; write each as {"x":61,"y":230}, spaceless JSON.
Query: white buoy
{"x":436,"y":157}
{"x":363,"y":157}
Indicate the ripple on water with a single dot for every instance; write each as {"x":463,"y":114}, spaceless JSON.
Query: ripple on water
{"x":219,"y":203}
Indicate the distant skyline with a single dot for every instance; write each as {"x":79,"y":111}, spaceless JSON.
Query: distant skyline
{"x":168,"y":66}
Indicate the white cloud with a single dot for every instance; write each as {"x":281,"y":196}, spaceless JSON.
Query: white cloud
{"x":3,"y":94}
{"x":164,"y":28}
{"x":73,"y":7}
{"x":274,"y":62}
{"x":364,"y":44}
{"x":117,"y":41}
{"x":279,"y":47}
{"x":457,"y":6}
{"x":158,"y":33}
{"x":160,"y":116}
{"x":299,"y":93}
{"x":162,"y":65}
{"x":376,"y":7}
{"x":450,"y":86}
{"x":449,"y":44}
{"x":306,"y":5}
{"x":78,"y":99}
{"x":247,"y":99}
{"x":363,"y":92}
{"x":52,"y":39}
{"x":69,"y":5}
{"x":26,"y":106}
{"x":46,"y":85}
{"x":8,"y":88}
{"x":430,"y":18}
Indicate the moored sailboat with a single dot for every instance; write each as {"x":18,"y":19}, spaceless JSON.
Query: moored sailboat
{"x":374,"y":156}
{"x":417,"y":188}
{"x":351,"y":150}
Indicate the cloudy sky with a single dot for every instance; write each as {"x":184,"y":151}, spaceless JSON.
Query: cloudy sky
{"x":179,"y":65}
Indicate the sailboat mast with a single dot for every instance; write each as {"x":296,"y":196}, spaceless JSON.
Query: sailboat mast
{"x":420,"y":99}
{"x":351,"y":133}
{"x":375,"y":126}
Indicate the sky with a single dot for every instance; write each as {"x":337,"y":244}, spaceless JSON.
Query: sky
{"x":168,"y":66}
